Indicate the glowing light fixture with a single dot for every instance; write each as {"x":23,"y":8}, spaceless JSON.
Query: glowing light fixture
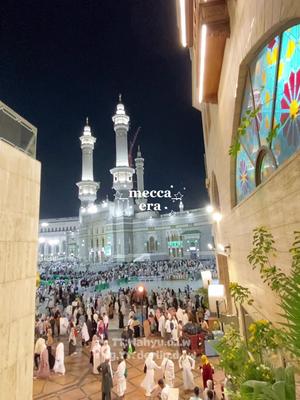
{"x":141,"y":289}
{"x":42,"y":240}
{"x":209,"y":208}
{"x":215,"y":293}
{"x":217,"y":216}
{"x":206,"y":278}
{"x":210,"y":246}
{"x":221,"y":247}
{"x":202,"y":61}
{"x":92,"y":209}
{"x":44,"y":224}
{"x":183,"y":22}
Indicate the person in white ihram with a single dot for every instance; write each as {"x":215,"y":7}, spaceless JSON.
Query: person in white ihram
{"x":167,"y":367}
{"x":96,"y":357}
{"x":174,"y":330}
{"x":120,"y":377}
{"x":185,"y":318}
{"x":105,"y":351}
{"x":85,"y":334}
{"x":187,"y":364}
{"x":148,"y":382}
{"x":161,"y":325}
{"x":179,"y":314}
{"x":168,"y":329}
{"x":59,"y":366}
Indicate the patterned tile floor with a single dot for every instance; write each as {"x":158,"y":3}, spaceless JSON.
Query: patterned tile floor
{"x":80,"y":383}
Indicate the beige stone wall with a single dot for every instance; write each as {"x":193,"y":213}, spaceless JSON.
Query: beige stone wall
{"x":19,"y":215}
{"x":276,"y":203}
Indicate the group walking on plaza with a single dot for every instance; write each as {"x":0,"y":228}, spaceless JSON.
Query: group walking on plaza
{"x":85,"y":319}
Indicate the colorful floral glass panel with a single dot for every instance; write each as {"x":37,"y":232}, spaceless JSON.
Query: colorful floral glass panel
{"x":263,"y":77}
{"x":245,"y":175}
{"x":250,"y":139}
{"x":287,"y":104}
{"x":272,"y":88}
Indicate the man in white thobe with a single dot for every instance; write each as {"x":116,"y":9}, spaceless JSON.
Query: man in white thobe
{"x":174,"y":331}
{"x":161,"y":325}
{"x":185,"y":318}
{"x":168,"y":329}
{"x":96,"y":357}
{"x":105,"y":351}
{"x":167,"y":367}
{"x":120,"y":376}
{"x":187,"y":364}
{"x":179,"y":314}
{"x":148,"y":382}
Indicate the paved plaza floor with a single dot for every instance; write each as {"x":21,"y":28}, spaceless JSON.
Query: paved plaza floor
{"x":80,"y":383}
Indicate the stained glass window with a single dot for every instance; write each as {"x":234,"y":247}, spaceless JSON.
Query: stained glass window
{"x":267,"y":166}
{"x":250,"y":140}
{"x":263,"y":78}
{"x":273,"y":90}
{"x":288,"y":96}
{"x":245,"y":175}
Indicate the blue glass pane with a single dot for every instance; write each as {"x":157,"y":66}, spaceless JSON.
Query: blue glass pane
{"x":245,"y":175}
{"x":250,"y":139}
{"x":267,"y":167}
{"x":263,"y":77}
{"x":287,"y":105}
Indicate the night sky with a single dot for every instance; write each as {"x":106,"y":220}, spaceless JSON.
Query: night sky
{"x":63,"y":60}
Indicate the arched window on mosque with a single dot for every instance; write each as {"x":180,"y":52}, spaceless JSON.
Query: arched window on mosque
{"x":272,"y":89}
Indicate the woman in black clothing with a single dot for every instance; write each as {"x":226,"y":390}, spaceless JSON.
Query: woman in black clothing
{"x":121,"y":320}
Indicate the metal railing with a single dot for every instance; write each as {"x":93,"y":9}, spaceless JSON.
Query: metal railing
{"x":16,"y":131}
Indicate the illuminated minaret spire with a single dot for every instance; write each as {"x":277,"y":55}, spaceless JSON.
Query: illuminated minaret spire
{"x":87,"y":187}
{"x":139,"y":168}
{"x":122,"y":173}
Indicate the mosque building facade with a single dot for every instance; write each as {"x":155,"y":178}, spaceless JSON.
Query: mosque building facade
{"x":130,"y":227}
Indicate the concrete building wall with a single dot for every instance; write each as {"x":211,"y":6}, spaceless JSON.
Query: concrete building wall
{"x":276,"y":202}
{"x":19,"y":213}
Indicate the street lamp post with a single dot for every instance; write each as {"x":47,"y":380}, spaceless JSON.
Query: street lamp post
{"x":141,"y":291}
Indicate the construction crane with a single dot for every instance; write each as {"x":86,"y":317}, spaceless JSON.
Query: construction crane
{"x":132,"y":143}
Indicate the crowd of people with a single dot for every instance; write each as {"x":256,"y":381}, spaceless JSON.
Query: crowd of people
{"x":85,"y":316}
{"x":162,"y":270}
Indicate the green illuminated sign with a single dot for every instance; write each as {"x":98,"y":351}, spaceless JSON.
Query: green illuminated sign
{"x":176,"y":244}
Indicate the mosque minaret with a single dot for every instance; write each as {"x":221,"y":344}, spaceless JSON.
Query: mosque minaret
{"x":139,"y":168}
{"x":122,"y":172}
{"x":87,"y":186}
{"x":125,"y":228}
